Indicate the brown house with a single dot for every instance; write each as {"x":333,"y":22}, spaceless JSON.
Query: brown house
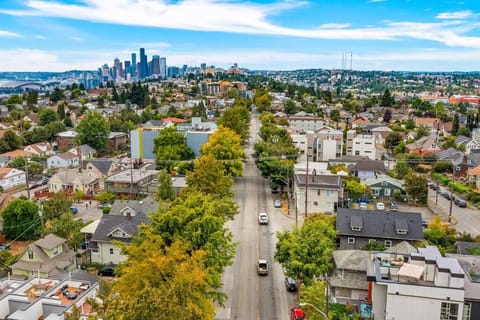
{"x":117,"y":141}
{"x":65,"y":140}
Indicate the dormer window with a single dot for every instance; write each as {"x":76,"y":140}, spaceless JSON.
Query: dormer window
{"x":356,"y":229}
{"x":356,"y":223}
{"x":401,"y":226}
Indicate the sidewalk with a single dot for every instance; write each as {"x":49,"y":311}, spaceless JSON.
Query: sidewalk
{"x":437,"y":210}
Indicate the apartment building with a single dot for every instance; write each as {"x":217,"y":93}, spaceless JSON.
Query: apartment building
{"x":421,"y":285}
{"x":361,"y":144}
{"x":326,"y":142}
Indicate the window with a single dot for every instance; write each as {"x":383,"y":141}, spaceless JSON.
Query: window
{"x":449,"y":311}
{"x":387,"y":192}
{"x":388,"y":243}
{"x":467,"y":311}
{"x":376,"y":192}
{"x":95,"y":251}
{"x":319,"y":192}
{"x":315,"y":203}
{"x":357,"y":153}
{"x":372,"y":241}
{"x":356,"y":229}
{"x":330,"y":193}
{"x":30,"y":254}
{"x":55,"y":250}
{"x":111,"y":250}
{"x":351,"y":240}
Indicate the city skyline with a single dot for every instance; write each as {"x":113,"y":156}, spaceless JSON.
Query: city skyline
{"x":41,"y":35}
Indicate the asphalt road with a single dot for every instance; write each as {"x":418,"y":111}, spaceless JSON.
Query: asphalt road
{"x":462,"y":219}
{"x":251,"y":296}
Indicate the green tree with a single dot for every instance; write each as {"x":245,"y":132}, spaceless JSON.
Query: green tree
{"x":32,"y":98}
{"x":305,"y":253}
{"x":61,"y":111}
{"x":57,"y":95}
{"x":78,"y":195}
{"x":410,"y":124}
{"x":401,"y":169}
{"x":93,"y":130}
{"x":56,"y":206}
{"x":314,"y":294}
{"x":236,"y":118}
{"x":393,"y":140}
{"x":165,"y":189}
{"x":226,"y":146}
{"x":422,"y":131}
{"x":171,"y":148}
{"x":387,"y":99}
{"x":455,"y":124}
{"x":21,"y":220}
{"x":12,"y":140}
{"x":335,"y":116}
{"x":289,"y":107}
{"x":67,"y":227}
{"x":416,"y":187}
{"x":46,"y":116}
{"x":104,"y":196}
{"x":355,"y":188}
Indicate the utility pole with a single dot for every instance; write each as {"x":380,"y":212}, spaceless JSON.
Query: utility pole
{"x":451,"y":194}
{"x":306,"y":188}
{"x":26,"y":178}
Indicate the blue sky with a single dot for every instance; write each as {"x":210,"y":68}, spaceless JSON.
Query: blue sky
{"x":417,"y":35}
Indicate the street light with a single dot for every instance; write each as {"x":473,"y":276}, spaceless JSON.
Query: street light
{"x":303,"y":304}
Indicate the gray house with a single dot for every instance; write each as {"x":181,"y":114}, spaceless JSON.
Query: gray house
{"x":358,"y":228}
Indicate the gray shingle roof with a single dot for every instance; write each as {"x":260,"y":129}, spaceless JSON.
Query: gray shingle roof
{"x":379,"y":224}
{"x":110,"y":222}
{"x":102,"y":165}
{"x":319,"y":181}
{"x":145,"y":206}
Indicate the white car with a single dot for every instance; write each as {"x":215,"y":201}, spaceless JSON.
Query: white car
{"x":263,"y":218}
{"x":277,"y":203}
{"x":363,"y":206}
{"x":380,"y":206}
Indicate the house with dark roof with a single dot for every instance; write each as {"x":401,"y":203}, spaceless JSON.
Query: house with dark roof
{"x":102,"y":168}
{"x":357,"y":228}
{"x":323,"y":195}
{"x":366,"y":168}
{"x":46,"y":257}
{"x":121,"y":224}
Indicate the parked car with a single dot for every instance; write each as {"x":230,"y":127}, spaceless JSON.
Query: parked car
{"x":433,"y":186}
{"x":290,"y":284}
{"x":34,"y":185}
{"x":460,"y":202}
{"x":104,"y":205}
{"x":263,"y":218}
{"x":277,"y":203}
{"x":107,"y":271}
{"x":274,"y":189}
{"x":74,"y":209}
{"x":5,"y":246}
{"x":424,"y":223}
{"x":363,"y":206}
{"x":44,"y":181}
{"x":393,"y":206}
{"x":380,"y":206}
{"x":296,"y":314}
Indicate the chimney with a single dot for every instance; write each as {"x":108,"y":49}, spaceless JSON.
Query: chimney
{"x":79,"y":155}
{"x":129,"y":215}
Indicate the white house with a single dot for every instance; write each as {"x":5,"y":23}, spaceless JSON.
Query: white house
{"x":11,"y":178}
{"x":63,"y":160}
{"x":40,"y":149}
{"x":361,"y":144}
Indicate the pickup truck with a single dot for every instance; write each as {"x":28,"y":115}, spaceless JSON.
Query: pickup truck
{"x":262,"y":267}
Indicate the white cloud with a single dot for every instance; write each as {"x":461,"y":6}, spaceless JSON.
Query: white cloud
{"x":455,"y":15}
{"x":241,"y":17}
{"x":40,"y":37}
{"x":4,"y":33}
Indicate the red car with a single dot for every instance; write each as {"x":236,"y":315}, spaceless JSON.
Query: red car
{"x":296,"y":314}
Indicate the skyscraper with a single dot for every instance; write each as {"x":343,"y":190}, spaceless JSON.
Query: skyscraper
{"x":134,"y":65}
{"x":156,"y":65}
{"x":143,"y":64}
{"x":163,"y":67}
{"x":128,"y":69}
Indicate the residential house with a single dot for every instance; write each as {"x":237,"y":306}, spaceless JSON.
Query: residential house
{"x":32,"y":118}
{"x":46,"y":257}
{"x":461,"y":161}
{"x":424,"y":145}
{"x":40,"y":149}
{"x":305,"y":122}
{"x":7,"y":126}
{"x":326,"y":142}
{"x":117,"y":141}
{"x":4,"y":161}
{"x":71,"y":180}
{"x":12,"y":179}
{"x":65,"y":140}
{"x":417,"y":286}
{"x":473,"y":176}
{"x":433,"y":124}
{"x":101,"y":168}
{"x":84,"y":152}
{"x":300,"y":142}
{"x":384,"y":187}
{"x":17,"y":153}
{"x":357,"y":228}
{"x":63,"y":160}
{"x":362,"y":120}
{"x":121,"y":224}
{"x":48,"y":298}
{"x":359,"y":144}
{"x":321,"y":192}
{"x":5,"y":199}
{"x":469,"y":143}
{"x":348,"y":283}
{"x":365,"y":169}
{"x":137,"y":181}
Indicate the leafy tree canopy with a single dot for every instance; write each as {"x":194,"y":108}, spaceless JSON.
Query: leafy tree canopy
{"x":93,"y":130}
{"x":21,"y":220}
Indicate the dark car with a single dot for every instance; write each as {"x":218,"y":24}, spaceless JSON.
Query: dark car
{"x":291,"y":284}
{"x":393,"y":206}
{"x":34,"y":185}
{"x":433,"y":186}
{"x":108,"y":271}
{"x":44,"y":181}
{"x":461,"y":203}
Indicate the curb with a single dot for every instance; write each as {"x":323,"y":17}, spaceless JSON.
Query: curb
{"x":431,"y":205}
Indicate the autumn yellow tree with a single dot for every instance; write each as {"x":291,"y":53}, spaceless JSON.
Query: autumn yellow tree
{"x":226,"y":146}
{"x":161,"y":283}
